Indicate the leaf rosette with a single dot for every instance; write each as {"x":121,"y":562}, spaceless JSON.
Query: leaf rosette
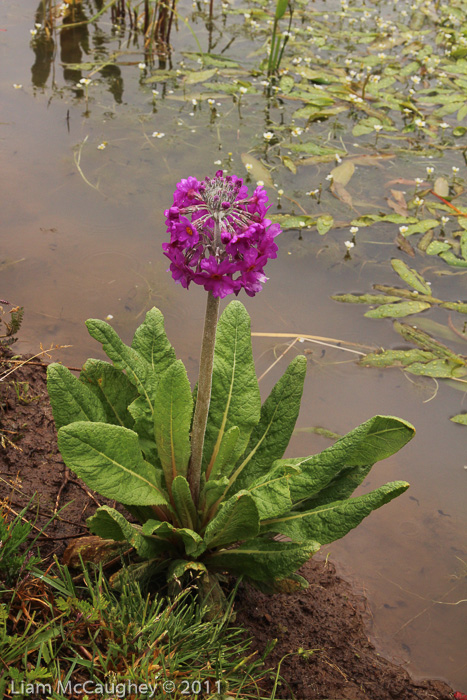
{"x":125,"y":429}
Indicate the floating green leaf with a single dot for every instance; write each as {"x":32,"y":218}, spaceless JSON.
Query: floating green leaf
{"x":411,"y":276}
{"x":399,"y":310}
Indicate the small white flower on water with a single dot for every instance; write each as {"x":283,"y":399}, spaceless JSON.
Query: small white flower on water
{"x":455,"y":170}
{"x":242,"y":89}
{"x":382,"y":55}
{"x":260,"y":183}
{"x":420,"y":122}
{"x":406,"y":110}
{"x":142,"y":66}
{"x":419,"y":180}
{"x":191,"y":114}
{"x":348,"y":61}
{"x":430,"y":170}
{"x":353,"y":230}
{"x":329,"y":177}
{"x":109,"y":317}
{"x":155,"y":93}
{"x":38,"y":25}
{"x":280,"y":192}
{"x":403,"y":229}
{"x":33,"y":32}
{"x":194,"y":101}
{"x":444,"y":219}
{"x":17,"y":86}
{"x":211,"y":102}
{"x":312,"y":193}
{"x":418,"y":201}
{"x":444,"y":125}
{"x":297,"y":130}
{"x":338,"y":158}
{"x":268,"y":135}
{"x":157,"y":134}
{"x":249,"y":167}
{"x":377,"y":127}
{"x":102,"y":145}
{"x":217,"y":162}
{"x":349,"y":244}
{"x":301,"y":224}
{"x":415,"y":79}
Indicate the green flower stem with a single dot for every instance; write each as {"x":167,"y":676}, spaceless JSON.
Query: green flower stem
{"x":203,"y":396}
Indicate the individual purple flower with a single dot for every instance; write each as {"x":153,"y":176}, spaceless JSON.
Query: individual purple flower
{"x":185,"y":232}
{"x":219,"y":236}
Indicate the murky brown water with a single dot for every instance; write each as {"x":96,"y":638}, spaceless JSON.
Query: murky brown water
{"x":70,"y":252}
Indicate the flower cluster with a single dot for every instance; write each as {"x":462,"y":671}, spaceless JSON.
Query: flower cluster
{"x":220,"y":237}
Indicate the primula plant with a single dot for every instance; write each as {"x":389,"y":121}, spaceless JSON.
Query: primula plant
{"x":202,"y":473}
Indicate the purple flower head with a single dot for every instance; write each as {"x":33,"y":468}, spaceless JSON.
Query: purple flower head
{"x":219,"y":236}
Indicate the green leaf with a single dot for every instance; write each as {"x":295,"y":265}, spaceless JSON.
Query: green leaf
{"x":235,"y":397}
{"x":424,"y":341}
{"x":71,"y":399}
{"x":151,"y":343}
{"x":460,"y":418}
{"x":192,"y":541}
{"x":263,"y":560}
{"x":271,"y":492}
{"x":288,"y":222}
{"x":421,"y":227}
{"x":223,"y":464}
{"x":200,"y":76}
{"x":213,"y":490}
{"x":331,"y":521}
{"x":391,"y":358}
{"x":237,"y":519}
{"x":324,"y":223}
{"x":399,"y":310}
{"x":109,"y":460}
{"x":289,"y":164}
{"x":183,"y":502}
{"x":365,"y":298}
{"x":173,"y":408}
{"x":112,"y":525}
{"x":113,"y":389}
{"x":281,"y":8}
{"x":376,"y":439}
{"x":271,"y":436}
{"x":410,"y":276}
{"x":437,"y":368}
{"x":138,"y":370}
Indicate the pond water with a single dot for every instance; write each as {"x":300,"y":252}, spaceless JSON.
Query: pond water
{"x":89,"y":170}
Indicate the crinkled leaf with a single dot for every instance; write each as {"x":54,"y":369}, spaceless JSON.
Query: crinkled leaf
{"x":193,"y":543}
{"x":108,"y":458}
{"x":376,"y":439}
{"x":213,"y":490}
{"x":110,"y":524}
{"x":151,"y":343}
{"x":237,"y":519}
{"x":271,"y":436}
{"x":271,"y":492}
{"x":183,"y":502}
{"x":262,"y":559}
{"x":235,"y":397}
{"x":113,"y":388}
{"x":173,"y":408}
{"x":223,"y":464}
{"x":331,"y":521}
{"x":71,"y":399}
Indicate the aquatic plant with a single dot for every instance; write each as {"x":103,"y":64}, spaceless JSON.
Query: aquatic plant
{"x":204,"y":472}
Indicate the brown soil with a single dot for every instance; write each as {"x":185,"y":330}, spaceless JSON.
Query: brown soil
{"x":327,"y":618}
